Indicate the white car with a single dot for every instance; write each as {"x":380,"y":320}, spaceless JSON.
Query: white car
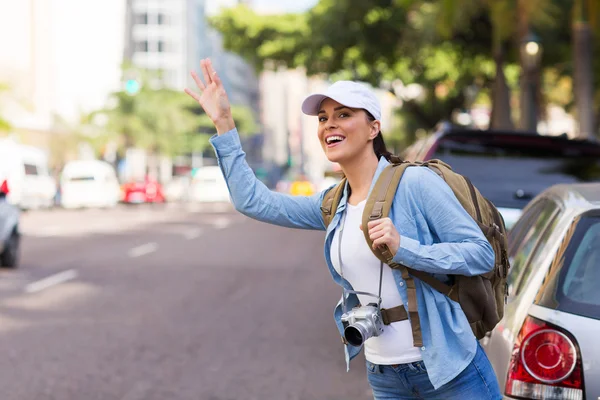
{"x":209,"y":185}
{"x":9,"y":233}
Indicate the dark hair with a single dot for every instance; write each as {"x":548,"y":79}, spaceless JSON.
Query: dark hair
{"x":379,"y":145}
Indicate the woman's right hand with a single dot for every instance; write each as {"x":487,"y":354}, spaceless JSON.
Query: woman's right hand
{"x":213,"y":98}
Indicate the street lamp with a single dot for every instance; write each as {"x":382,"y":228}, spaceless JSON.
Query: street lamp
{"x":531,"y":55}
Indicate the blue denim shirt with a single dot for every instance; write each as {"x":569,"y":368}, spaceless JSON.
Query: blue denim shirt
{"x":437,"y":236}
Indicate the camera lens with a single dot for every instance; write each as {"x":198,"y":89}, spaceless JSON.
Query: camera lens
{"x":357,"y":333}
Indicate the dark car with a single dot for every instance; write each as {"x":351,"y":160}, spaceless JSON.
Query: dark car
{"x":511,"y":167}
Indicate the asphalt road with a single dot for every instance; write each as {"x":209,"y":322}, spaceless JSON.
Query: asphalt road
{"x":155,"y":303}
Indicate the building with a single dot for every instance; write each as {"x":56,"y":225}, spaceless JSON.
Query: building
{"x":60,"y":58}
{"x":164,"y":36}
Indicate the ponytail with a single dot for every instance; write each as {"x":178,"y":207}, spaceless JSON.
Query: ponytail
{"x":380,"y":148}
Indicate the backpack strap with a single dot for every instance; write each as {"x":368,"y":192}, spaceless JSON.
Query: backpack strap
{"x":331,"y":200}
{"x":378,"y":206}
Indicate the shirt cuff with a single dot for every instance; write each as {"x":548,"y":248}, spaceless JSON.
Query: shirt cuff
{"x":226,"y":144}
{"x":407,"y":252}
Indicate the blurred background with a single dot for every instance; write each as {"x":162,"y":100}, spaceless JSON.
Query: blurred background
{"x":119,"y":220}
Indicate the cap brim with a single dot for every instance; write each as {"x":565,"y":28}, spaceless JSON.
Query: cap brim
{"x":312,"y":104}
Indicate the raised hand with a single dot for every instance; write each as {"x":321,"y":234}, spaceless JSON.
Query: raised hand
{"x":212,"y":98}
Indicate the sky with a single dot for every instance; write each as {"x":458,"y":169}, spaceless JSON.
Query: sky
{"x":266,"y":6}
{"x":283,"y":5}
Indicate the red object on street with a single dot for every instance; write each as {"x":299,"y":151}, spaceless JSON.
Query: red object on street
{"x":147,"y":191}
{"x":4,"y":187}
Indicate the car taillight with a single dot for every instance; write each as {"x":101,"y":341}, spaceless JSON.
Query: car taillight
{"x":545,"y":364}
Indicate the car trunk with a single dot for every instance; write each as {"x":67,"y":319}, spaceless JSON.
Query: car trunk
{"x":585,"y":331}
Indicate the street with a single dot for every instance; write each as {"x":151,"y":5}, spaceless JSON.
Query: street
{"x":170,"y":303}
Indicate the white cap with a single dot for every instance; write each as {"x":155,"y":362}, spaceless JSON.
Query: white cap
{"x":348,"y":93}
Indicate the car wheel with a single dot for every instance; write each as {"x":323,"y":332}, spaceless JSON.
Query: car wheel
{"x":10,"y":257}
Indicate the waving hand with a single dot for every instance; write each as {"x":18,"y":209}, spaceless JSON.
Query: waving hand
{"x":212,"y":98}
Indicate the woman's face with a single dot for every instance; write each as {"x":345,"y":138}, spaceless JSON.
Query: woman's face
{"x":345,"y":133}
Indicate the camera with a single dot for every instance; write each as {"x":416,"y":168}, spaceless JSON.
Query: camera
{"x":361,"y":323}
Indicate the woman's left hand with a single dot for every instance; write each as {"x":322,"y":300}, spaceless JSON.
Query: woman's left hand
{"x":383,"y":232}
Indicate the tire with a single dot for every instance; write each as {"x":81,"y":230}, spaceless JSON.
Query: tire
{"x":10,"y":257}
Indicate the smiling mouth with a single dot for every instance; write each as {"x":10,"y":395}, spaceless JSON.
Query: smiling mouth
{"x":334,"y":140}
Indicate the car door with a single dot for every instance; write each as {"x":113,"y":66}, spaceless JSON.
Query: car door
{"x":526,"y":247}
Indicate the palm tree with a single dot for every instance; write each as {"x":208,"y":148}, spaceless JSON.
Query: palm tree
{"x":585,"y":18}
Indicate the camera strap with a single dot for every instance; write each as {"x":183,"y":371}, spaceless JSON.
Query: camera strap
{"x":345,"y":292}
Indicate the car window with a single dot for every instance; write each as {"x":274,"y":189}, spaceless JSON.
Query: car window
{"x":583,"y":275}
{"x":31,"y":169}
{"x":533,"y":238}
{"x":523,"y":225}
{"x":572,"y":282}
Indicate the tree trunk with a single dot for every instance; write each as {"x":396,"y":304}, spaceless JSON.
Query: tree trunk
{"x":500,"y":115}
{"x":583,"y":79}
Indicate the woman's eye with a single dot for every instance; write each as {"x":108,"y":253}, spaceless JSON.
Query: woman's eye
{"x":343,"y":115}
{"x":322,"y":119}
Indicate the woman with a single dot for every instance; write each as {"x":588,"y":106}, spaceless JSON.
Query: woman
{"x":427,"y":230}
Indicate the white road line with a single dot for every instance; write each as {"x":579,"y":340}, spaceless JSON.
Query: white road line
{"x":192,"y":233}
{"x":142,"y":250}
{"x":52,"y":280}
{"x":222,"y":223}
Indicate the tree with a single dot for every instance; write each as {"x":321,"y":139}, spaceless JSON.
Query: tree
{"x":5,"y":126}
{"x":586,"y":15}
{"x":162,"y":121}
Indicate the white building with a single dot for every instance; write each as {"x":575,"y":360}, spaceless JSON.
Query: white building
{"x":60,"y":58}
{"x":163,"y":36}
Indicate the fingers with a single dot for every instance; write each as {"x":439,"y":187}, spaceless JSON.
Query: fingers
{"x":212,"y":73}
{"x":379,"y":243}
{"x":198,"y":81}
{"x":205,"y":71}
{"x":192,"y":94}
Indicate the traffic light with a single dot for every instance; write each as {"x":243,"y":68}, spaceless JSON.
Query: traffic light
{"x":132,"y":86}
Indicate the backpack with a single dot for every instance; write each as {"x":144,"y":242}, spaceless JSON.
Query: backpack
{"x":481,"y":297}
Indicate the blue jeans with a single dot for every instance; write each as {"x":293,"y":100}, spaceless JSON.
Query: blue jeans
{"x":410,"y":381}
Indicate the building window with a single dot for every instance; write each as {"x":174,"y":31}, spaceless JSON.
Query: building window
{"x":141,"y":46}
{"x":161,"y":47}
{"x":141,"y":19}
{"x":162,"y":19}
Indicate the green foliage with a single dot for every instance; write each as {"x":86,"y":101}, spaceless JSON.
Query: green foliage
{"x":159,"y":120}
{"x":5,"y":126}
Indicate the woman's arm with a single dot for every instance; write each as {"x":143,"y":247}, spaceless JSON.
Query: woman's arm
{"x":252,"y":198}
{"x":463,"y":250}
{"x":249,"y":195}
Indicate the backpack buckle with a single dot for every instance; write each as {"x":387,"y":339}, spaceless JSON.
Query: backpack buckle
{"x":377,"y":211}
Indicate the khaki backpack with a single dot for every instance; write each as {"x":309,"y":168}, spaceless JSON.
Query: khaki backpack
{"x":481,"y":297}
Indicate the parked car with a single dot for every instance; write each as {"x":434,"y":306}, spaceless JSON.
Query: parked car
{"x":510,"y":167}
{"x":546,"y":345}
{"x":26,"y":170}
{"x":145,"y":191}
{"x":89,"y":184}
{"x":208,"y":185}
{"x":9,"y":230}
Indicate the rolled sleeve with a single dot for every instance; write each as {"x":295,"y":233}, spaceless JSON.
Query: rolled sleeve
{"x":226,"y":144}
{"x":407,"y":252}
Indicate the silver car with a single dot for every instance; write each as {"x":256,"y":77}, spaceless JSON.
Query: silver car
{"x":9,"y":233}
{"x":548,"y":344}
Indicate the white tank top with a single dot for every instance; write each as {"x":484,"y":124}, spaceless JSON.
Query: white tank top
{"x":361,"y":268}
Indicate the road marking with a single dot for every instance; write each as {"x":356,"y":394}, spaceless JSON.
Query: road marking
{"x":221,"y":223}
{"x":192,"y":233}
{"x":142,"y":250}
{"x":52,"y":280}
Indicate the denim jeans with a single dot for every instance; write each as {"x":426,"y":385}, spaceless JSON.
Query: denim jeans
{"x":410,"y":381}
